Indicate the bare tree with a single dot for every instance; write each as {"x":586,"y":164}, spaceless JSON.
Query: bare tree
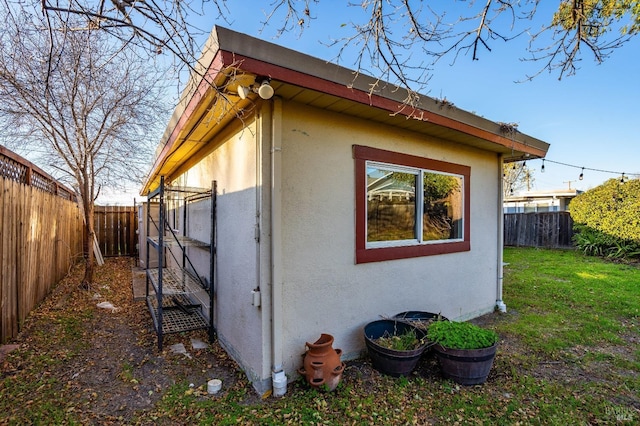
{"x":396,"y":40}
{"x":88,"y":107}
{"x":515,"y":177}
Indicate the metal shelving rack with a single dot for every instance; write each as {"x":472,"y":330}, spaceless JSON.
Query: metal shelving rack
{"x":172,"y":306}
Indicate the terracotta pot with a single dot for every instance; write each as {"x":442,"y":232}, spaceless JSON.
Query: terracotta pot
{"x":322,"y":365}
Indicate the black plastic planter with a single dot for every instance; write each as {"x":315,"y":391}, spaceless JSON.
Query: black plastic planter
{"x":419,"y":317}
{"x":389,"y":361}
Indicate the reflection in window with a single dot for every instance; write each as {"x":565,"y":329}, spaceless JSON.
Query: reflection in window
{"x":391,"y":205}
{"x":442,"y":211}
{"x":396,"y":196}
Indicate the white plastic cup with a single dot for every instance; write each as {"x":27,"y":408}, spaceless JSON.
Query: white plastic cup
{"x":214,"y":386}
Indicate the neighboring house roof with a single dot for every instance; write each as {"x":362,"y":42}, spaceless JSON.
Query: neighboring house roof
{"x":543,"y":195}
{"x":231,"y":59}
{"x":386,"y":185}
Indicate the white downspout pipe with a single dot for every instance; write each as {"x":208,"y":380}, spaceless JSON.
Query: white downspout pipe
{"x":500,"y":305}
{"x":279,"y":379}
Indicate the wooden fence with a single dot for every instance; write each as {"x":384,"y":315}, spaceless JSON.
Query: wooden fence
{"x":41,"y":237}
{"x":16,"y":168}
{"x":549,"y":229}
{"x":115,"y":228}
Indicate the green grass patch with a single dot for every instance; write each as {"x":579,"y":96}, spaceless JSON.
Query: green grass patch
{"x":564,"y":299}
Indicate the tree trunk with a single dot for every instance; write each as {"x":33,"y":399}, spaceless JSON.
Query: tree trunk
{"x":89,"y":233}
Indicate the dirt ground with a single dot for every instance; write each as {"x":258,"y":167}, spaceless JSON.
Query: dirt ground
{"x":114,"y":369}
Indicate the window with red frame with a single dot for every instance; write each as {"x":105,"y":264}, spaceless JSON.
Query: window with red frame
{"x":409,"y":206}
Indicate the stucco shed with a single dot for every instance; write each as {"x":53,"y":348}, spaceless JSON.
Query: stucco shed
{"x":298,"y":177}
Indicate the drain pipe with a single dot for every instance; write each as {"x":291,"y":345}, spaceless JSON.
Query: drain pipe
{"x":500,"y":305}
{"x":278,"y":376}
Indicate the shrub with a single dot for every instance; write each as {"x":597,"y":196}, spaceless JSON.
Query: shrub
{"x":606,"y":220}
{"x":589,"y":241}
{"x":612,"y":209}
{"x":595,"y":243}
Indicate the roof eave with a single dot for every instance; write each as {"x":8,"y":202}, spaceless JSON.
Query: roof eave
{"x":228,"y":49}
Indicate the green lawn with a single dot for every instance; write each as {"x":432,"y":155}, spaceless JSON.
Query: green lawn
{"x":568,"y":355}
{"x":563,"y":299}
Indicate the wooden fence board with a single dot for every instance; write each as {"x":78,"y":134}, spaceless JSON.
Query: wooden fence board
{"x":40,"y":237}
{"x":116,"y":230}
{"x":3,"y":324}
{"x":548,"y":229}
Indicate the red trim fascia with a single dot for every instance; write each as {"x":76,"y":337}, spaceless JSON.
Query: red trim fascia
{"x":224,"y":59}
{"x":199,"y":94}
{"x":343,"y":91}
{"x":384,"y":156}
{"x":361,"y":154}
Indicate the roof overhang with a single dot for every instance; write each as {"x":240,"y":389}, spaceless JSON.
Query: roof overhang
{"x":230,"y":59}
{"x":529,"y":196}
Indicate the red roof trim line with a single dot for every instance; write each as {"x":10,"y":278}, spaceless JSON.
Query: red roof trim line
{"x":392,"y":106}
{"x":197,"y":97}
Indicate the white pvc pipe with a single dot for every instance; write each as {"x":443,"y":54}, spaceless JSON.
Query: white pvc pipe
{"x":500,"y":305}
{"x":278,"y":376}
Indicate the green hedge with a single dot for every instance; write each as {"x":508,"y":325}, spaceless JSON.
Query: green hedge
{"x":612,"y":208}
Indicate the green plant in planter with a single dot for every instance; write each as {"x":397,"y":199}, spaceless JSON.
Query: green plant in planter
{"x":400,"y":342}
{"x":461,"y":335}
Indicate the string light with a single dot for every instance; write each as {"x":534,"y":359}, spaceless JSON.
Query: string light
{"x":542,"y":168}
{"x":622,"y":178}
{"x":612,"y":172}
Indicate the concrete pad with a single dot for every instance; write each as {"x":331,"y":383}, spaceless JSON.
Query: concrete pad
{"x":198,"y":344}
{"x":139,"y":283}
{"x":5,"y":349}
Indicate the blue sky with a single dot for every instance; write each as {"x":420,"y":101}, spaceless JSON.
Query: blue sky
{"x":589,"y":118}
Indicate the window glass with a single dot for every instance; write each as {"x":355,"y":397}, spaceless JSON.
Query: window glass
{"x":443,"y":206}
{"x":391,"y":204}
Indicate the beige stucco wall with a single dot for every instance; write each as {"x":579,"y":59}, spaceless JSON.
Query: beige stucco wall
{"x":324,"y":290}
{"x":233,"y":164}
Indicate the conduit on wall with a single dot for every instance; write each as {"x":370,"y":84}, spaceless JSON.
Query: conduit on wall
{"x":279,"y":379}
{"x":500,"y":305}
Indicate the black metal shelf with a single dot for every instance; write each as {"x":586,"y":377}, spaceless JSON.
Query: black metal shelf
{"x":172,"y":303}
{"x":174,"y":281}
{"x":174,"y":318}
{"x":177,"y":241}
{"x":187,"y":190}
